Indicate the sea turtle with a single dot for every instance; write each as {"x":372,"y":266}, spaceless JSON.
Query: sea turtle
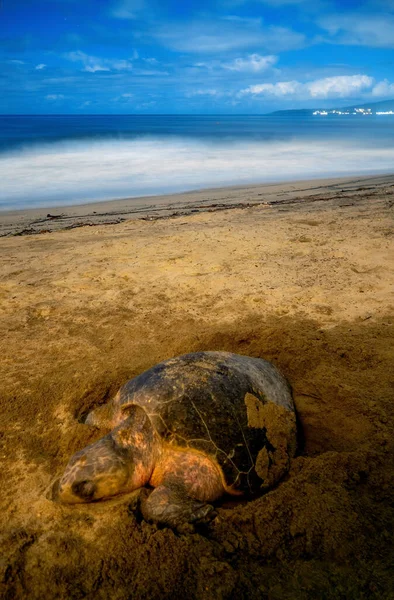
{"x":193,"y":428}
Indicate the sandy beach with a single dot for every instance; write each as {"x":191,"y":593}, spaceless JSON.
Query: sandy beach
{"x":298,"y":273}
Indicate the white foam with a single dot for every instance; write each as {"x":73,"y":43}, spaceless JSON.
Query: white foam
{"x":75,"y":172}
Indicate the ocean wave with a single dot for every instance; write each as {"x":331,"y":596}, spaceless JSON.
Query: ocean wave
{"x":70,"y":173}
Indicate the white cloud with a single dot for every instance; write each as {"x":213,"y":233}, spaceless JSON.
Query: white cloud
{"x":383,"y":88}
{"x":40,"y":67}
{"x":243,"y":21}
{"x":253,"y":62}
{"x":281,"y":38}
{"x":93,"y":63}
{"x":306,"y":5}
{"x":128,"y":9}
{"x":279,"y":89}
{"x":54,"y":97}
{"x":226,"y":34}
{"x":145,"y":105}
{"x":123,"y":98}
{"x":342,"y":86}
{"x":339,"y":87}
{"x":208,"y":92}
{"x":151,"y":61}
{"x":373,"y":30}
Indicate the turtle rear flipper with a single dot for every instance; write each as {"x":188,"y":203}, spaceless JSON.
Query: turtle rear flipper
{"x":173,"y":507}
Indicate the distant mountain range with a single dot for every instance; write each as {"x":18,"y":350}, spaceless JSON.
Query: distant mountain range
{"x":372,"y":107}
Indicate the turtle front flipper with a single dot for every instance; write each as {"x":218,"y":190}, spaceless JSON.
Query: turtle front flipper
{"x":108,"y":415}
{"x":102,"y":417}
{"x":173,"y":507}
{"x":185,"y":481}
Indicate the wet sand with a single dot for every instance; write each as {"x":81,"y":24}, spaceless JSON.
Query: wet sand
{"x":43,"y":220}
{"x":302,"y":277}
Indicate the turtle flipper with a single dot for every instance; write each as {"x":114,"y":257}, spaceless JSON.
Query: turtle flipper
{"x":102,"y":416}
{"x":173,"y":507}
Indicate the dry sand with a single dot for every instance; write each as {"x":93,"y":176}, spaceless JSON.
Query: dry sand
{"x":304,"y":283}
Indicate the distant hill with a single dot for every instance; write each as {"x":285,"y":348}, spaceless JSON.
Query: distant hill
{"x":375,"y":106}
{"x":383,"y":105}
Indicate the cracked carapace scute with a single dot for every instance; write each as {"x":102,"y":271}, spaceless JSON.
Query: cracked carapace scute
{"x":237,"y":409}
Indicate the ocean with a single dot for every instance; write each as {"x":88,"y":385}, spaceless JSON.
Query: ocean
{"x":64,"y":160}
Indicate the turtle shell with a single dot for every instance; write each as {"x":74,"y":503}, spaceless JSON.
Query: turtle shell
{"x":234,"y":408}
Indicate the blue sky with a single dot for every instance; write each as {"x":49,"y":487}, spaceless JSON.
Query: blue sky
{"x":217,"y":56}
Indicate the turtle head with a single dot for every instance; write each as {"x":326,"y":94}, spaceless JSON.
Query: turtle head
{"x":120,"y":462}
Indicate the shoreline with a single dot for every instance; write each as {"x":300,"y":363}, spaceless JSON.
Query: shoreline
{"x":110,"y":212}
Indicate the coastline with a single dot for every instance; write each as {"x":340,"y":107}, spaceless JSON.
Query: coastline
{"x":53,"y":218}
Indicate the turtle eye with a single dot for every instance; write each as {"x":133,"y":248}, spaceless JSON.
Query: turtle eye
{"x":83,"y":489}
